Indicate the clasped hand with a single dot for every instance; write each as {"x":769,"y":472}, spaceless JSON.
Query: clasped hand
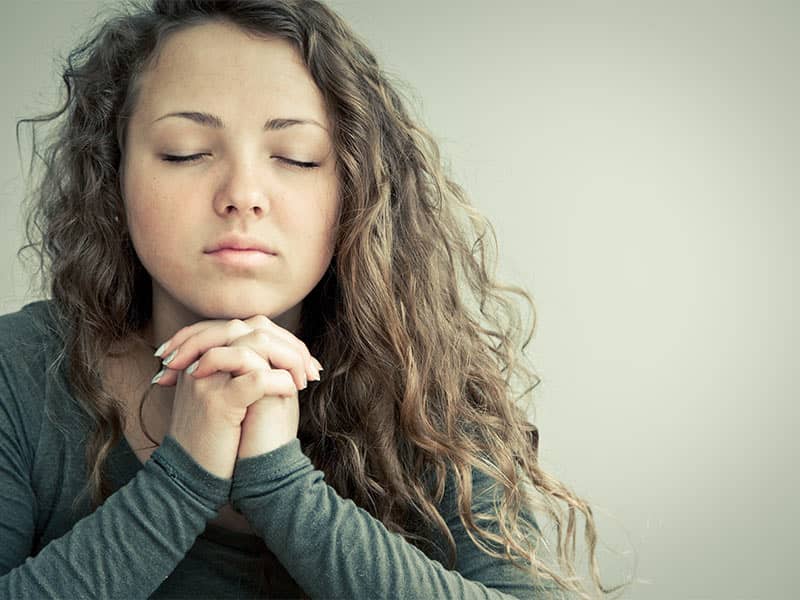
{"x":235,"y":374}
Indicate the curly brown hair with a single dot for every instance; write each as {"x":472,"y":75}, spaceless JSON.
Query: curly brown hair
{"x":420,"y":340}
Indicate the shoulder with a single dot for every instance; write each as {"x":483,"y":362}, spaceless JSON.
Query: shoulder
{"x":27,"y":328}
{"x":28,"y":347}
{"x":29,"y":342}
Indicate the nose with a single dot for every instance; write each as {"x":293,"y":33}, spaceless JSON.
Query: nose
{"x":243,"y":192}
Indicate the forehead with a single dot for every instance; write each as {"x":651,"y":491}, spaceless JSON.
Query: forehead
{"x":220,"y":68}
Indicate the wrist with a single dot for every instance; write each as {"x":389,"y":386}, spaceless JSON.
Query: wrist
{"x":251,"y":445}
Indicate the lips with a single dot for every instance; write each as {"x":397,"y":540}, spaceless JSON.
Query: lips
{"x":240,"y":242}
{"x":239,"y":260}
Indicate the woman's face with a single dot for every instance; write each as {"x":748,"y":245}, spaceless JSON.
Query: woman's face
{"x":242,"y":183}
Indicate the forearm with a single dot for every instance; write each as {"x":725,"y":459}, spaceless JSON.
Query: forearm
{"x":130,"y":544}
{"x":333,"y":548}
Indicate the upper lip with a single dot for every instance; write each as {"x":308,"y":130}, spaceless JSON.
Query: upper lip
{"x":240,"y":242}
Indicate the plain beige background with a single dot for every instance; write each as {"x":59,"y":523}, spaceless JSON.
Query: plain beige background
{"x":639,"y":161}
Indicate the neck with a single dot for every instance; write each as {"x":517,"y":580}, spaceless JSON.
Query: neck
{"x":127,"y":377}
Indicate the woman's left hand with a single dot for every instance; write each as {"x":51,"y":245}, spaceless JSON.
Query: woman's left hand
{"x":271,"y":421}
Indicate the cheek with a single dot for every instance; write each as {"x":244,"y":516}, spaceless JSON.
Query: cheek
{"x":324,"y":211}
{"x":317,"y":228}
{"x":150,"y":201}
{"x":151,"y":223}
{"x":144,"y":227}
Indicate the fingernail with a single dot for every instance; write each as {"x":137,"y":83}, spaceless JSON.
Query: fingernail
{"x":192,"y":367}
{"x":157,"y":376}
{"x":317,"y":363}
{"x":161,"y":349}
{"x":168,"y":360}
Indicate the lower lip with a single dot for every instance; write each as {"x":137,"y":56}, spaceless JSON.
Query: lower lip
{"x":245,"y":258}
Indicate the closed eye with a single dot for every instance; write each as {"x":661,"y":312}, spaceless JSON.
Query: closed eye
{"x":297,"y":163}
{"x":171,"y":158}
{"x":195,"y":157}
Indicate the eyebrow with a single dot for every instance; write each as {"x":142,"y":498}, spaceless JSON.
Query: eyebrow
{"x":209,"y":120}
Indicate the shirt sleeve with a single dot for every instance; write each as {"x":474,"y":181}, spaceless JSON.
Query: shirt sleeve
{"x":157,"y":515}
{"x":335,"y":549}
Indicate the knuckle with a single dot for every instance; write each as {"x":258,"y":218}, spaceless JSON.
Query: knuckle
{"x":261,"y":334}
{"x":303,"y":349}
{"x":287,"y":379}
{"x":248,"y":353}
{"x":261,"y":378}
{"x":260,"y":321}
{"x":300,"y":355}
{"x":213,"y":353}
{"x":235,"y":325}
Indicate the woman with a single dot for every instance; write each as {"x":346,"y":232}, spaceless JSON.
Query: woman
{"x":237,"y":197}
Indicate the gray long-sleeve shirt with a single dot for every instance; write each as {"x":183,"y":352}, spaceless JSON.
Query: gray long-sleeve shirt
{"x":151,"y":537}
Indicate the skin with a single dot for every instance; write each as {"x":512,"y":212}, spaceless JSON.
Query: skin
{"x":242,"y":184}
